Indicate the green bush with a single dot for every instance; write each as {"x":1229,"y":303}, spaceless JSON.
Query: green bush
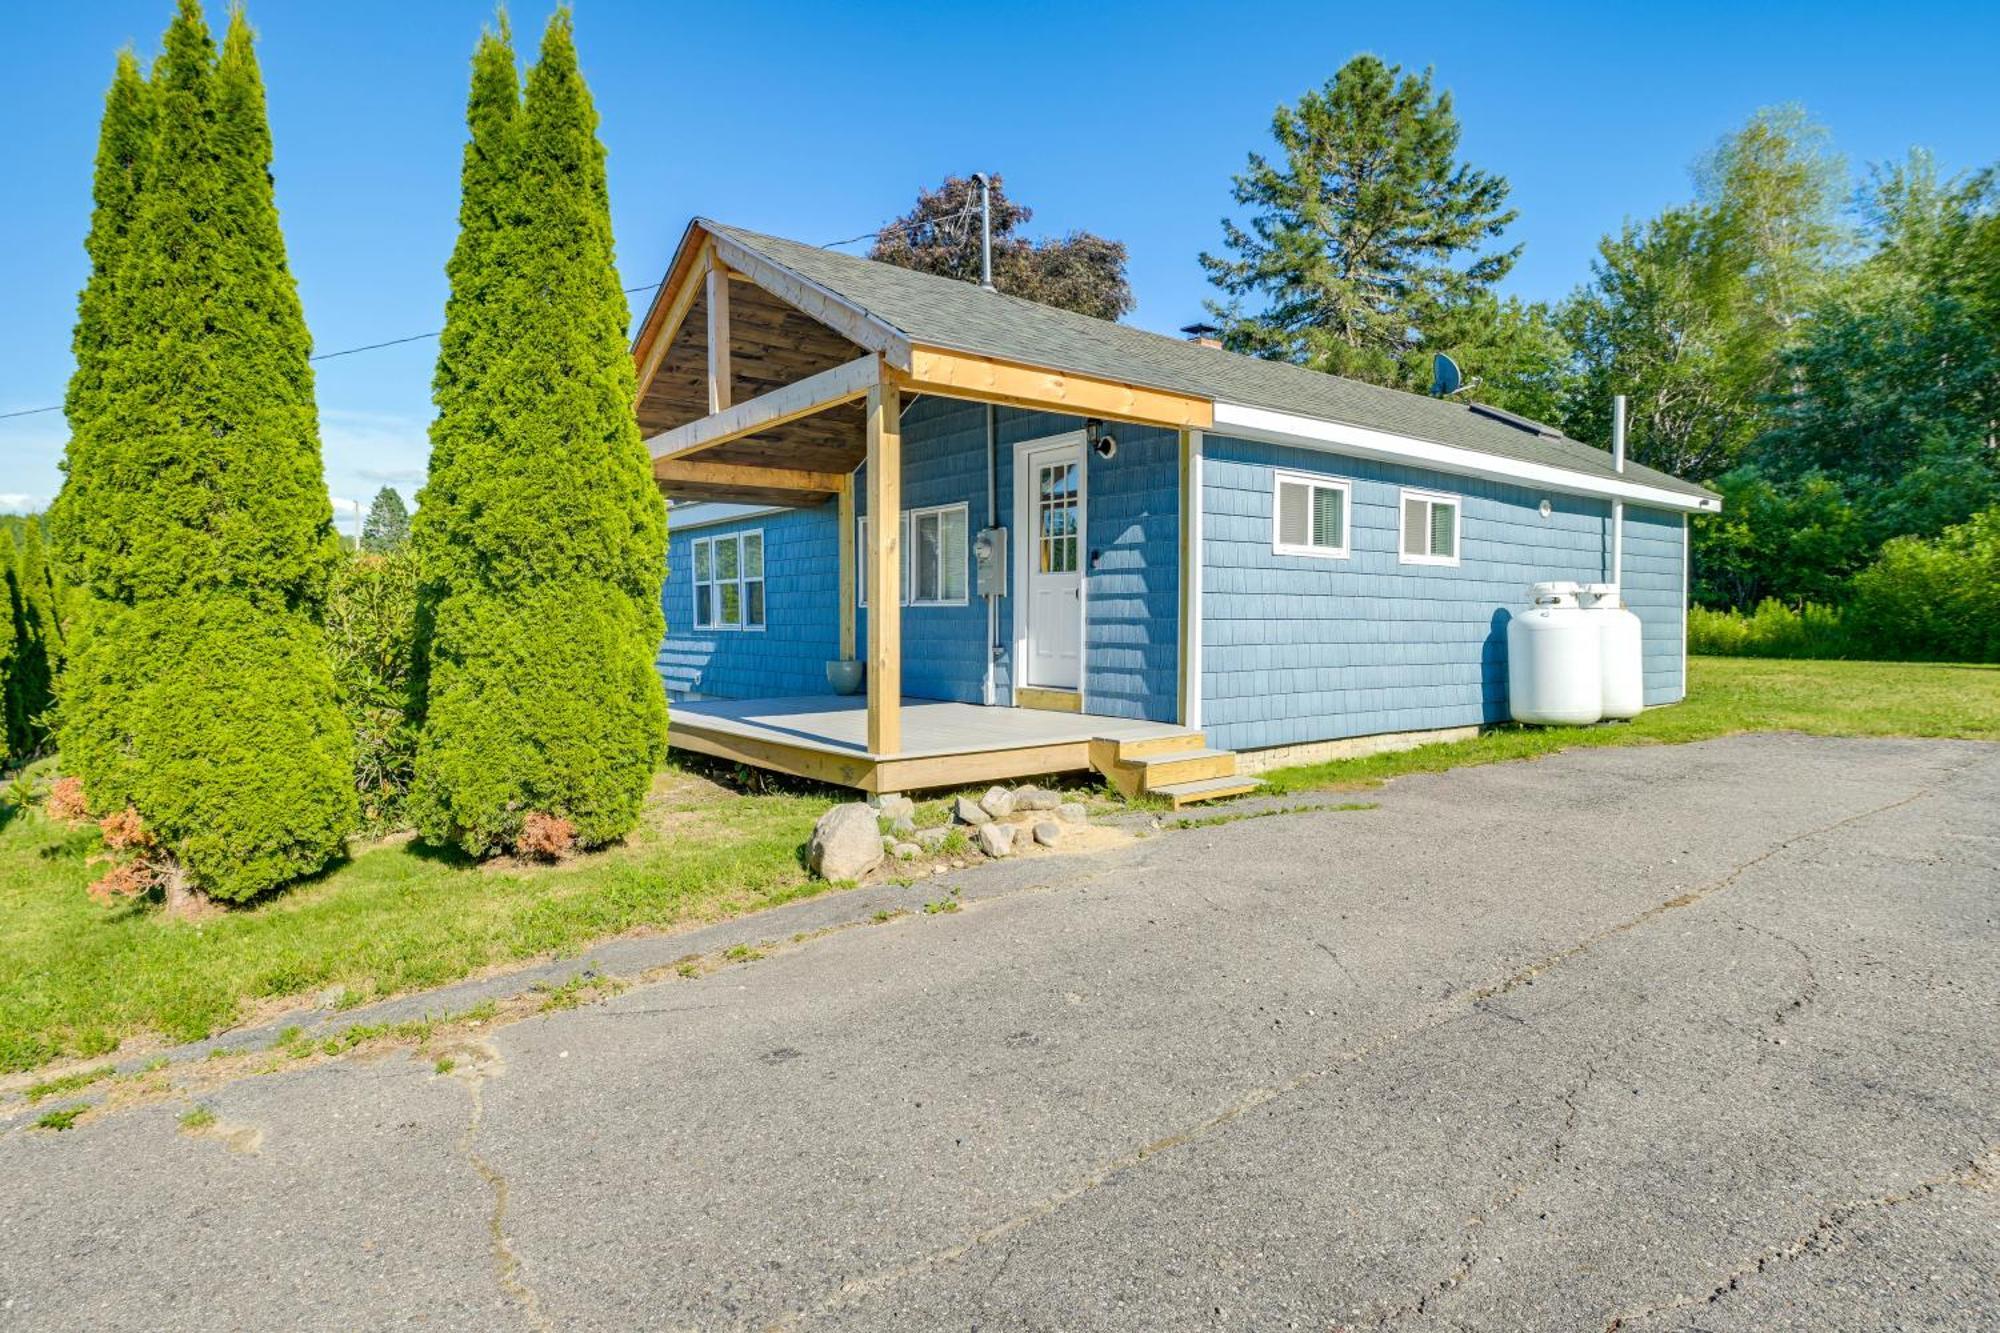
{"x":371,"y":615}
{"x":1933,"y":600}
{"x":1772,"y":630}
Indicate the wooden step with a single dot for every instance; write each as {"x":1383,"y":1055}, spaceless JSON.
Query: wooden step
{"x":1207,"y":789}
{"x":1176,"y":743}
{"x":1160,"y":770}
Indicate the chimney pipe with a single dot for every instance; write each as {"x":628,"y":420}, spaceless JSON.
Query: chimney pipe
{"x":985,"y":231}
{"x":1618,"y":506}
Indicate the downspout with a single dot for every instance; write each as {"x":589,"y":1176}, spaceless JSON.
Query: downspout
{"x":992,"y":689}
{"x":1618,"y":506}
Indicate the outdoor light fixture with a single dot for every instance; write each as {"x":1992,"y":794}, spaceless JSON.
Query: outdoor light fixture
{"x":1093,"y":434}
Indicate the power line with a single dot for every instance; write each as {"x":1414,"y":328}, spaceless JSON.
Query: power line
{"x":319,"y":356}
{"x":905,"y":225}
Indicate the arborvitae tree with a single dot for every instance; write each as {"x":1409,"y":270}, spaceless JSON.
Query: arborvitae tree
{"x":36,"y":632}
{"x":206,"y":529}
{"x":543,"y":697}
{"x":8,"y":640}
{"x":1367,"y":235}
{"x":387,"y":526}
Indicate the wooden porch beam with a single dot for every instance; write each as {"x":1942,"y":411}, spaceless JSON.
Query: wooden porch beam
{"x":802,"y":398}
{"x":718,"y":339}
{"x":885,"y":569}
{"x":695,"y":472}
{"x":670,"y":324}
{"x":988,"y":379}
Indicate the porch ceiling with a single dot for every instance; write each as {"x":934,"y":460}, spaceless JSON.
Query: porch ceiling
{"x":771,"y":344}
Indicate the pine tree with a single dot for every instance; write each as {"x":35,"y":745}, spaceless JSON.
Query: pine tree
{"x":1368,"y":234}
{"x":207,"y":529}
{"x":542,"y":535}
{"x":387,"y":526}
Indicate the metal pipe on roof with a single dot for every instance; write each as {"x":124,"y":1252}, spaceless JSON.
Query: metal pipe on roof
{"x":985,"y":231}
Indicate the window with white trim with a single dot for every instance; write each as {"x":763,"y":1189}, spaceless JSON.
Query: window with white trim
{"x":729,"y":581}
{"x":1309,"y":515}
{"x":861,"y":561}
{"x":1430,"y":528}
{"x":935,"y":540}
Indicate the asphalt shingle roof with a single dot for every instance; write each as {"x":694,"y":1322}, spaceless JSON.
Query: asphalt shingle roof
{"x":943,"y":312}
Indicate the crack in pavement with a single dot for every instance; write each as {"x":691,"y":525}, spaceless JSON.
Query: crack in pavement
{"x":477,"y":1062}
{"x":1452,"y":1009}
{"x":1824,"y":1234}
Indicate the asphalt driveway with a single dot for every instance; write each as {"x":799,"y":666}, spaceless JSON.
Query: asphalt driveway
{"x":1667,"y":1038}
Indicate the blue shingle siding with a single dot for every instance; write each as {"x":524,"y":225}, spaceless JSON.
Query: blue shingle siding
{"x":801,"y":612}
{"x":1299,"y":648}
{"x":1653,"y":589}
{"x":1131,"y":643}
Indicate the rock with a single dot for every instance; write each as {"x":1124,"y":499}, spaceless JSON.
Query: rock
{"x":906,"y":851}
{"x":894,"y":806}
{"x":930,"y":839}
{"x":968,"y":811}
{"x":1072,"y":812}
{"x":903,"y":827}
{"x":1034,"y":799}
{"x":997,"y":802}
{"x":845,"y":843}
{"x":1048,"y":833}
{"x":996,"y":840}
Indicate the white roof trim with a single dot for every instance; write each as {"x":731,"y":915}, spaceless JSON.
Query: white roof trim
{"x":1262,"y":423}
{"x":708,"y":513}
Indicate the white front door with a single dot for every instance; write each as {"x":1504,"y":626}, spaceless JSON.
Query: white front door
{"x":1050,"y":523}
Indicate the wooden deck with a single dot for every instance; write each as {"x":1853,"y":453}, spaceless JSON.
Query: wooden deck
{"x":825,"y":737}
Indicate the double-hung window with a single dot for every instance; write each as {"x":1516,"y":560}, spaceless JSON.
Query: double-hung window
{"x":729,"y":581}
{"x":1309,"y":515}
{"x":1430,"y":528}
{"x":936,"y":570}
{"x":935,"y":540}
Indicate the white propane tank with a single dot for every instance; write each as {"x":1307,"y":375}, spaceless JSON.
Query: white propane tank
{"x":1620,"y":650}
{"x":1554,"y":675}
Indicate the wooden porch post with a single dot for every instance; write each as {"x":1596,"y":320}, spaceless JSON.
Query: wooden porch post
{"x":885,"y":570}
{"x":847,"y":581}
{"x":719,"y":374}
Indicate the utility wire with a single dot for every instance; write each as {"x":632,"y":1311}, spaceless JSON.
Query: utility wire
{"x":319,"y":356}
{"x":906,"y":225}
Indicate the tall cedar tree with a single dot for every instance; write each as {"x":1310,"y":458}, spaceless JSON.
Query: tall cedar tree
{"x":197,"y":509}
{"x":387,"y":526}
{"x":1368,"y":237}
{"x":1082,"y":271}
{"x":8,"y":641}
{"x":36,"y":631}
{"x":542,"y":536}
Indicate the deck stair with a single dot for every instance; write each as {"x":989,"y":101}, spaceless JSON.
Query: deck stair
{"x":1179,"y":768}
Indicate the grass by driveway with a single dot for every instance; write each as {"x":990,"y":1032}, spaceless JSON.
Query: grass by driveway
{"x":1727,"y":695}
{"x":76,"y":979}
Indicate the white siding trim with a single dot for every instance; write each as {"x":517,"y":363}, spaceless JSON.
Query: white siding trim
{"x":1261,"y":423}
{"x":1687,"y":561}
{"x":707,"y":513}
{"x":1196,"y":507}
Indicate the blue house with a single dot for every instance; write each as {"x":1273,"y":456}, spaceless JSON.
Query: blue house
{"x":1046,"y":542}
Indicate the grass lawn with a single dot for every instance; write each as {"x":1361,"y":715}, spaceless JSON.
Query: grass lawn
{"x":76,"y":979}
{"x":1726,"y":695}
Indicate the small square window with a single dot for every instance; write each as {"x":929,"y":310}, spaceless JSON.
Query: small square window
{"x":1430,"y":528}
{"x":1310,"y":515}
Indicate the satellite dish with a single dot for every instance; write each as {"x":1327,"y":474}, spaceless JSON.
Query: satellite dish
{"x":1445,"y":376}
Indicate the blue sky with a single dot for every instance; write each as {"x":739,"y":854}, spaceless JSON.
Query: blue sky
{"x":820,"y":122}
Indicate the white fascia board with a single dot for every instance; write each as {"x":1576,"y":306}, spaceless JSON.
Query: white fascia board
{"x":1263,"y":423}
{"x":708,"y":513}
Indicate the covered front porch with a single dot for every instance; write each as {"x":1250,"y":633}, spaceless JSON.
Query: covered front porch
{"x":765,"y":392}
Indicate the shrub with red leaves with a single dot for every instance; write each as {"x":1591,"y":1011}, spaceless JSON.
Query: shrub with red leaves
{"x":65,"y":802}
{"x":546,"y":837}
{"x":124,"y":831}
{"x":124,"y":881}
